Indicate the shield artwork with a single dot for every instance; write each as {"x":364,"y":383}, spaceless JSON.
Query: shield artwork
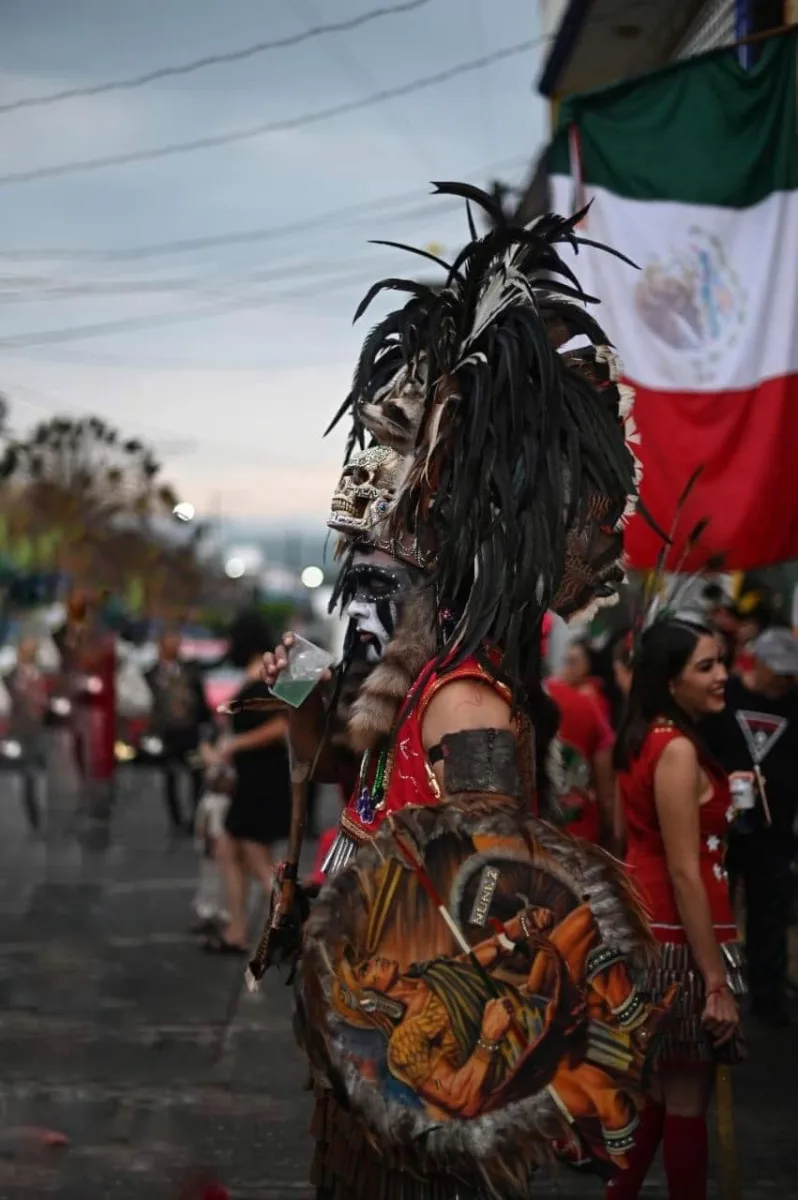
{"x":493,"y":1038}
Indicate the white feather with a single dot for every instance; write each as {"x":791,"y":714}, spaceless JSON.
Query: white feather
{"x":506,"y":285}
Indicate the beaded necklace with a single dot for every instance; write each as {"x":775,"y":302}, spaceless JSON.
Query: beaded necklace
{"x":369,"y":798}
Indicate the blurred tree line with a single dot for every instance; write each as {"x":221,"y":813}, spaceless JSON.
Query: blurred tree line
{"x":82,"y":504}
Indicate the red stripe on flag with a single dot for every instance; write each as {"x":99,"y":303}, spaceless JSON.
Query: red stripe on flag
{"x":747,"y":442}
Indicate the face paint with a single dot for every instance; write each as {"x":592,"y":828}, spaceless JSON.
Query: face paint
{"x":374,"y":627}
{"x":372,"y":596}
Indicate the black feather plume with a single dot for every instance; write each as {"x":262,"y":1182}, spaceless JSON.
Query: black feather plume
{"x":505,"y":422}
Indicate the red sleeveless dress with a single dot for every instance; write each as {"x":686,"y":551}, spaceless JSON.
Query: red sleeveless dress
{"x":648,"y":868}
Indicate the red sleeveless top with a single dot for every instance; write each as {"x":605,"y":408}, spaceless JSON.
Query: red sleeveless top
{"x":408,"y":777}
{"x":645,"y":857}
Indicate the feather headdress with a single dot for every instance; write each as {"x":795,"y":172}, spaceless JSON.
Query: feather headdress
{"x":510,"y":445}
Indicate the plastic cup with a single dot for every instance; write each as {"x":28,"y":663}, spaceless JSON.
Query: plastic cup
{"x":306,"y":665}
{"x":743,"y":794}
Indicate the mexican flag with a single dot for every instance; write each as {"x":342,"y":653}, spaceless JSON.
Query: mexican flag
{"x":693,"y":174}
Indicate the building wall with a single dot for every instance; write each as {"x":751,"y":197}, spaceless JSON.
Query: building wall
{"x":715,"y":26}
{"x":717,"y":23}
{"x":551,"y":15}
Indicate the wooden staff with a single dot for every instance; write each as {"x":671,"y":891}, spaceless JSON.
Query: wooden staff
{"x":280,"y":938}
{"x":727,"y":1150}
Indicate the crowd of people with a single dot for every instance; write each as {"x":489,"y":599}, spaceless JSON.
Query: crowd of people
{"x":224,"y":776}
{"x":478,"y":991}
{"x":753,"y":738}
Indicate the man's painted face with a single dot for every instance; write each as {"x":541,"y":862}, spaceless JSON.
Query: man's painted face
{"x":372,"y":596}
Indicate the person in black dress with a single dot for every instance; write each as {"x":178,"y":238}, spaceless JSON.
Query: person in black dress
{"x":260,"y":808}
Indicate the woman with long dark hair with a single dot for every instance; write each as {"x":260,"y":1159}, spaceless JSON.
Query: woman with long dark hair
{"x":260,"y":807}
{"x":677,"y":805}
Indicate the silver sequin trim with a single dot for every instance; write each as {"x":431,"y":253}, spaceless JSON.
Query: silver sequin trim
{"x":340,"y":855}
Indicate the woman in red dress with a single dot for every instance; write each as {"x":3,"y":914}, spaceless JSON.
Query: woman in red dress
{"x":577,"y":672}
{"x":677,"y":806}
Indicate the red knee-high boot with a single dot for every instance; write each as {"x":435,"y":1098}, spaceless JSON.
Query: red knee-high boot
{"x":648,"y":1135}
{"x":686,"y":1154}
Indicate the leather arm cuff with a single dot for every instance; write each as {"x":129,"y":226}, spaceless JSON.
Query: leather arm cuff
{"x":478,"y":760}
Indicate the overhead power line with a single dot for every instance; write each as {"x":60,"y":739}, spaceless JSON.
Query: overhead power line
{"x":45,"y":291}
{"x":265,"y":233}
{"x":213,"y":60}
{"x":72,"y":333}
{"x":365,"y":81}
{"x":261,"y":130}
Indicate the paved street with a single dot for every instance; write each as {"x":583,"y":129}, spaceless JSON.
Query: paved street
{"x":111,"y":1030}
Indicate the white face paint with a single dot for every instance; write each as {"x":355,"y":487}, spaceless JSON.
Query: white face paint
{"x":364,"y":616}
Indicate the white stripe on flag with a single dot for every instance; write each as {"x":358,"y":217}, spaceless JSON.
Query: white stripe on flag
{"x":715,"y":305}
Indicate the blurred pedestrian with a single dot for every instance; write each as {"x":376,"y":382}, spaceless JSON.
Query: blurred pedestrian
{"x":180,"y":718}
{"x":578,"y":671}
{"x":209,"y":902}
{"x":621,"y":674}
{"x":753,"y":616}
{"x":88,"y":652}
{"x":583,"y":773}
{"x":758,"y":733}
{"x":260,"y":809}
{"x":27,"y":688}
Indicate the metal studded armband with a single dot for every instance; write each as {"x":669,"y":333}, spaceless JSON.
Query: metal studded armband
{"x":478,"y":760}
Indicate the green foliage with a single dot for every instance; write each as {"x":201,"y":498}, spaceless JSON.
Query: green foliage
{"x":276,"y":613}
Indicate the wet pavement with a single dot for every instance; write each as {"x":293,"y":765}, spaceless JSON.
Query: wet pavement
{"x":116,"y":1031}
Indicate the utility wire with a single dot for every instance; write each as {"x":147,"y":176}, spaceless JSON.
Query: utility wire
{"x":281,"y":126}
{"x":71,"y":333}
{"x":488,"y":111}
{"x":364,"y":80}
{"x":266,"y":233}
{"x":212,"y":60}
{"x":45,"y":291}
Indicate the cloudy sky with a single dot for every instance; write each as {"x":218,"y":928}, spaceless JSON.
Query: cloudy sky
{"x":230,"y":355}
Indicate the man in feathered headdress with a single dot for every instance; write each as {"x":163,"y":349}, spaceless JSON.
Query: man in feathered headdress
{"x":494,"y":486}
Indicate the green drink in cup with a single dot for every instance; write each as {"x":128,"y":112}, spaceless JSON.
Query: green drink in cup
{"x":306,"y":665}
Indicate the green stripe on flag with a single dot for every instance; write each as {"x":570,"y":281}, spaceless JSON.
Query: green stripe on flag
{"x":701,"y":131}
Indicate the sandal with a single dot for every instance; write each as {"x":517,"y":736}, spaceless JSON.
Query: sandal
{"x":219,"y":944}
{"x":205,"y":927}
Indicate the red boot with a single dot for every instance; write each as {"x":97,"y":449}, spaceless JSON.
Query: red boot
{"x":686,"y":1153}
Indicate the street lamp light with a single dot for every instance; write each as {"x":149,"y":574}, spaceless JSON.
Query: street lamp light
{"x":235,"y":568}
{"x":312,"y":578}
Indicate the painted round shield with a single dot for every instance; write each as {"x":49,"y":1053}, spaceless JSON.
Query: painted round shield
{"x":471,"y":989}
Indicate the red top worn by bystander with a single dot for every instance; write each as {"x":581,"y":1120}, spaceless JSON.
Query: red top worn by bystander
{"x":646,"y":858}
{"x":583,"y":733}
